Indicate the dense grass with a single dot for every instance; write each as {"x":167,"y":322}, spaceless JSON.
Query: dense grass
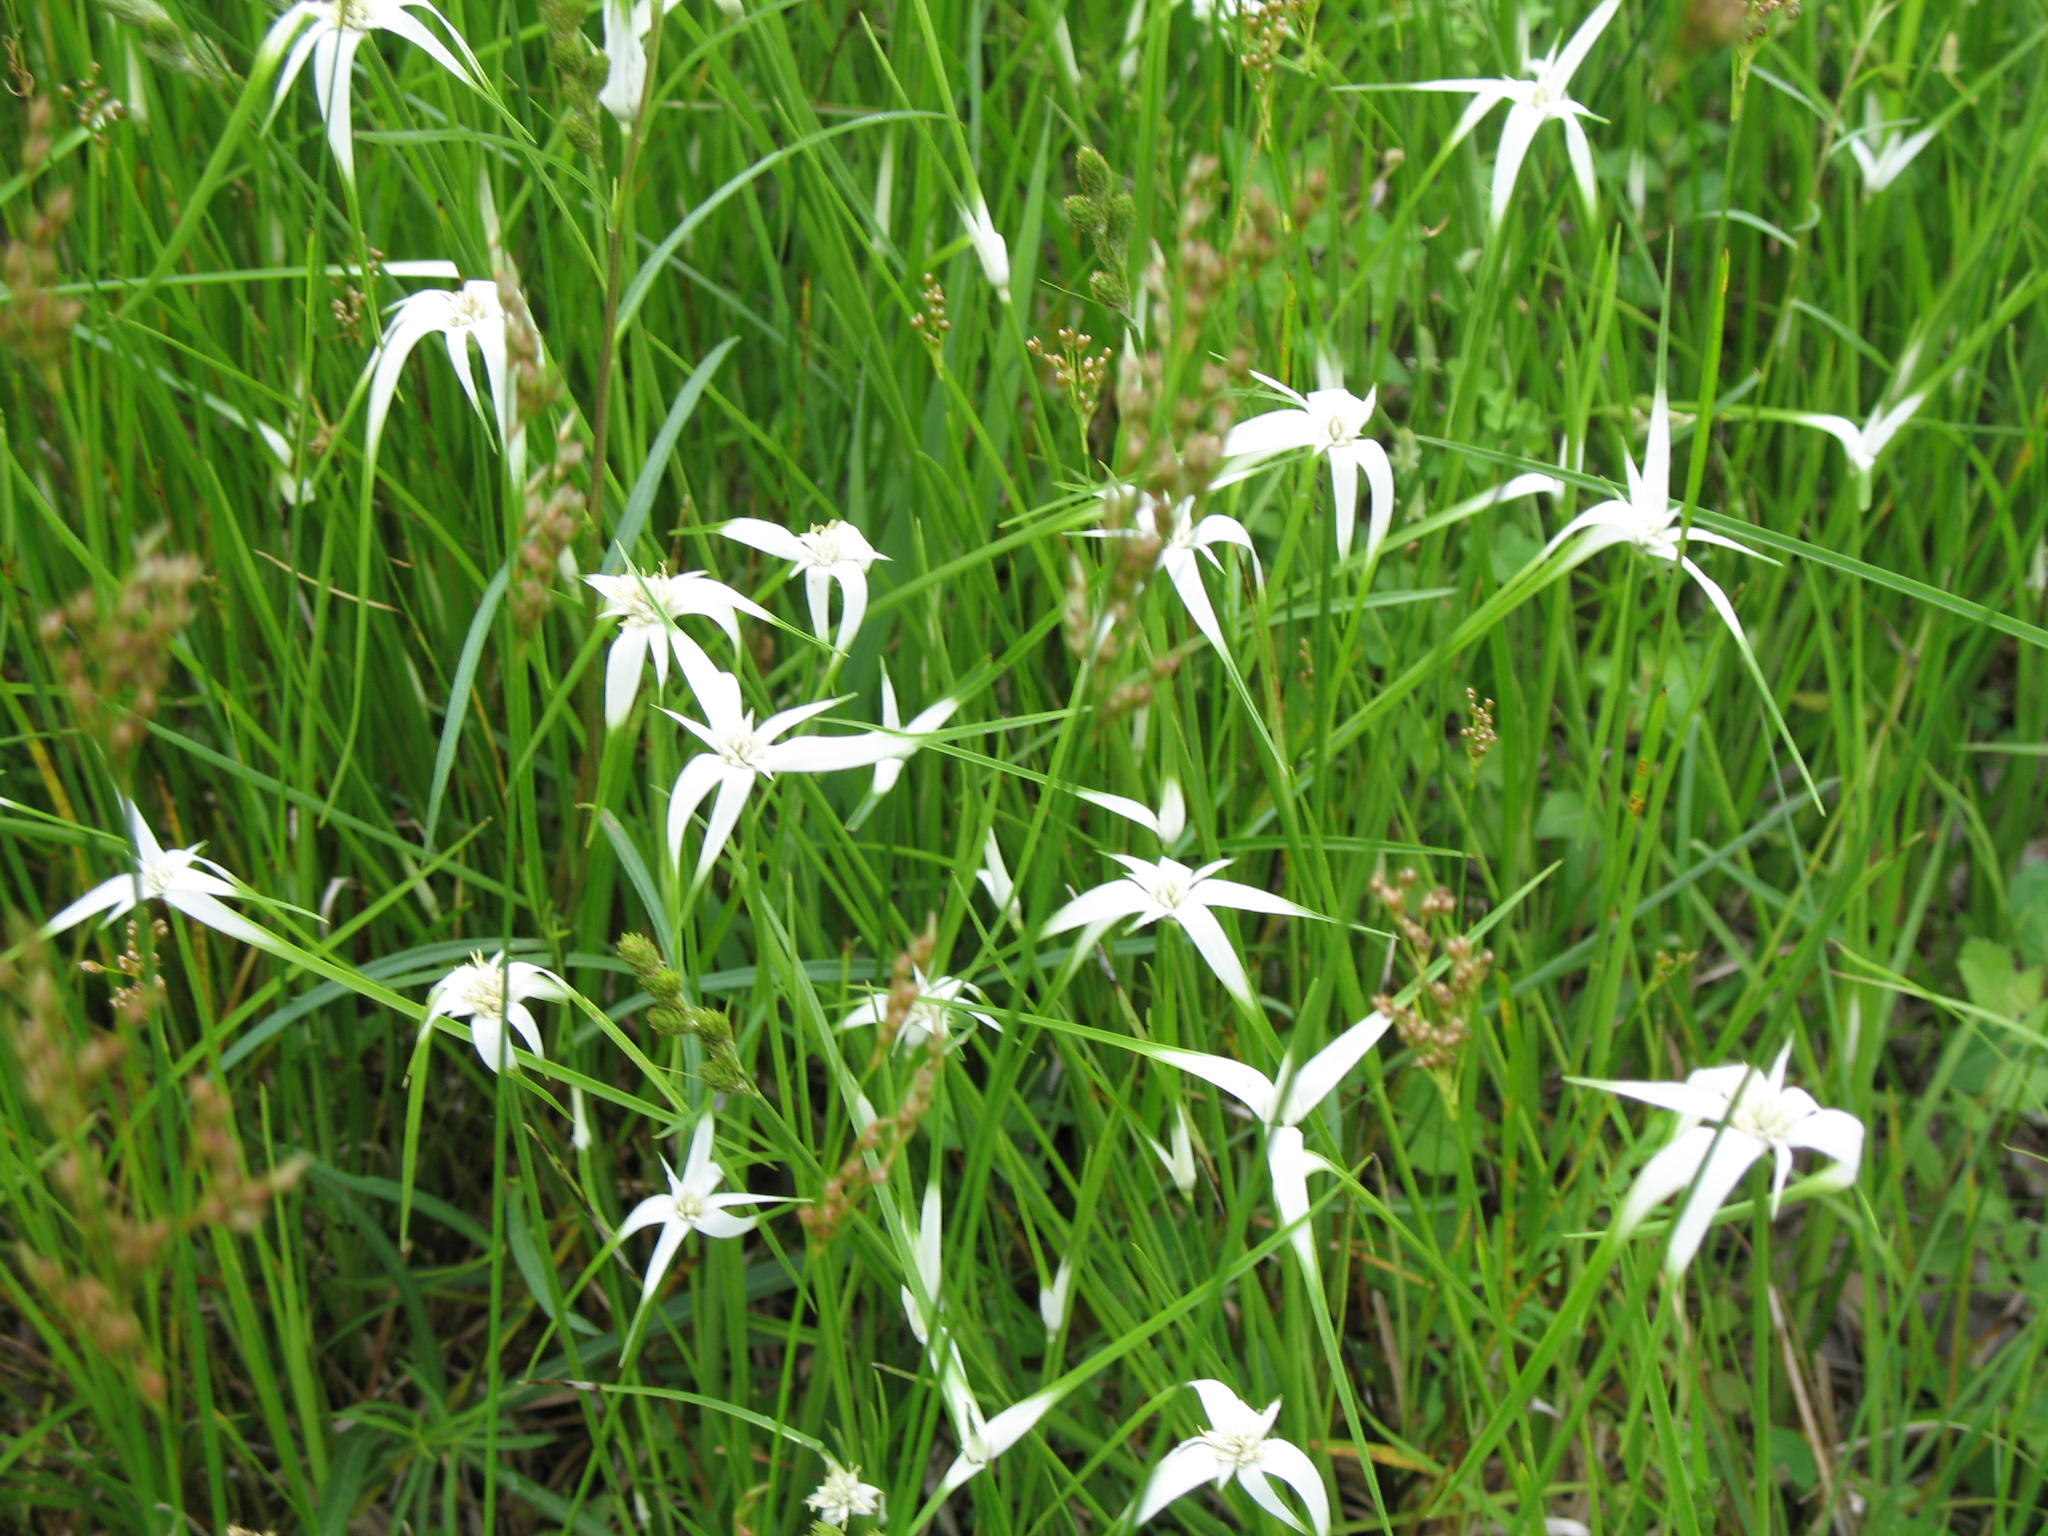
{"x":274,"y":1258}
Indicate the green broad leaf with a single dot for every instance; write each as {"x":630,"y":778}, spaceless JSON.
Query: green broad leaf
{"x":1994,"y":982}
{"x":2027,"y":900}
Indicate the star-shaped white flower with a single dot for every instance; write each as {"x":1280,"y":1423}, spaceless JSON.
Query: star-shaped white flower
{"x":1239,"y":1443}
{"x":1649,"y":520}
{"x":989,"y":245}
{"x":831,"y":552}
{"x":742,"y":752}
{"x":1332,"y":422}
{"x":1880,"y":150}
{"x":177,"y":876}
{"x":491,"y":993}
{"x":328,"y":32}
{"x":472,"y":312}
{"x":1170,"y":889}
{"x":908,"y":737}
{"x":1542,"y":98}
{"x":1166,"y":823}
{"x":1729,"y":1118}
{"x":938,"y":1001}
{"x":648,"y":608}
{"x":843,"y":1495}
{"x":1181,"y":537}
{"x":689,"y":1206}
{"x":1863,"y":444}
{"x":1281,"y":1107}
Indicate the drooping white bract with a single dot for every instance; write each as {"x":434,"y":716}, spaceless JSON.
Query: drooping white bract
{"x":473,"y":312}
{"x":1863,"y":444}
{"x":1649,"y":520}
{"x":1239,"y":1443}
{"x":1178,"y":1155}
{"x":328,"y":32}
{"x":1332,"y":422}
{"x":691,"y":1205}
{"x":741,"y":752}
{"x":842,"y":1495}
{"x":1170,"y":889}
{"x":989,"y":245}
{"x":1055,"y":1300}
{"x":1542,"y":98}
{"x":908,"y":737}
{"x":1881,"y":150}
{"x":1729,"y":1117}
{"x":994,"y":877}
{"x":648,"y":608}
{"x":1167,"y":823}
{"x":177,"y":876}
{"x":938,"y":1000}
{"x":492,"y":993}
{"x":1181,"y":538}
{"x":831,"y":552}
{"x":1281,"y":1107}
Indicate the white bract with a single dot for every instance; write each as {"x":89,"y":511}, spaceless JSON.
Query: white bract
{"x":938,"y":1000}
{"x":994,"y":877}
{"x":1239,"y":1443}
{"x":328,"y":32}
{"x":178,"y":877}
{"x":843,"y":1495}
{"x":1170,"y":889}
{"x":1167,"y":823}
{"x":648,"y":608}
{"x":491,"y":993}
{"x":1881,"y":151}
{"x":472,"y":312}
{"x":907,"y":738}
{"x":1863,"y":444}
{"x":1055,"y":1300}
{"x":989,"y":245}
{"x":1178,"y":1155}
{"x":1542,"y":98}
{"x":831,"y":552}
{"x":1332,"y":422}
{"x":741,"y":752}
{"x":1181,"y":538}
{"x":1281,"y":1107}
{"x":1729,"y":1118}
{"x":691,"y":1205}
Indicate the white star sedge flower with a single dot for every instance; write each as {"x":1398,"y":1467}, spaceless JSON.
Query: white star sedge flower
{"x":177,"y":876}
{"x":988,"y":244}
{"x":1178,"y":1155}
{"x":472,"y":312}
{"x":1332,"y":422}
{"x":908,"y":738}
{"x":689,"y":1206}
{"x":1170,"y":889}
{"x":1281,"y":1107}
{"x":742,"y":752}
{"x":1649,"y":520}
{"x":831,"y":552}
{"x":938,"y":1000}
{"x":1181,"y":538}
{"x":1167,"y":823}
{"x":328,"y":32}
{"x":649,"y":607}
{"x":1863,"y":444}
{"x":1544,"y":97}
{"x":843,"y":1495}
{"x":1239,"y":1443}
{"x":491,"y":993}
{"x":1729,"y":1118}
{"x":1881,"y":152}
{"x":983,"y":1440}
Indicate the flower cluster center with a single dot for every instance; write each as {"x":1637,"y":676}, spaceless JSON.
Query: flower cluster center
{"x":1240,"y":1448}
{"x":479,"y":987}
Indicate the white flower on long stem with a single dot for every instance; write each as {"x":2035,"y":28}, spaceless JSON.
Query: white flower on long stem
{"x":908,"y":738}
{"x":1332,"y":422}
{"x":1181,"y":538}
{"x":1239,"y":1443}
{"x":1166,"y":823}
{"x":1649,"y":520}
{"x":1542,"y":98}
{"x":178,"y":877}
{"x":842,"y":1495}
{"x":328,"y":32}
{"x":691,"y":1205}
{"x":1729,"y":1118}
{"x":472,"y":312}
{"x":742,"y":752}
{"x":1863,"y":444}
{"x":988,"y":244}
{"x":491,"y":994}
{"x":831,"y":552}
{"x":938,"y":999}
{"x":983,"y":1440}
{"x":1178,"y":1155}
{"x":1170,"y":889}
{"x":1881,"y":151}
{"x":1281,"y":1107}
{"x":648,"y":608}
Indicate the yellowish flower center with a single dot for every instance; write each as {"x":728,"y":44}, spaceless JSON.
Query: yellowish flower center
{"x":1240,"y":1448}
